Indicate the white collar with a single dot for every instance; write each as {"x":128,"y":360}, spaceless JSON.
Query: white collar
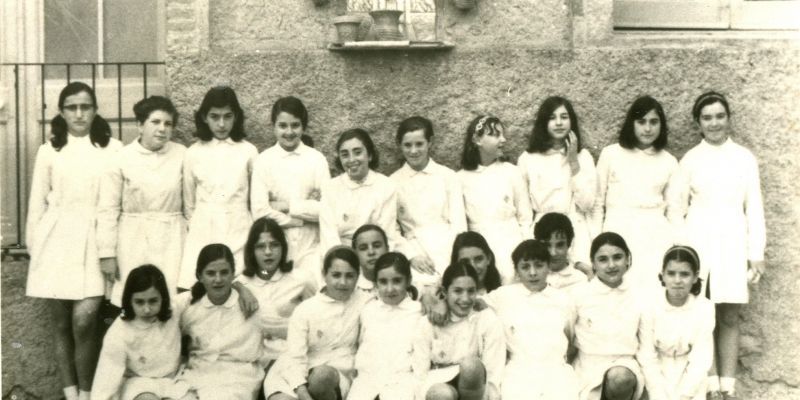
{"x":232,"y":300}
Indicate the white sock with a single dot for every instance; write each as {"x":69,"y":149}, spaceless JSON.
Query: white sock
{"x":727,"y":384}
{"x":71,"y":393}
{"x":713,"y":383}
{"x":84,"y":395}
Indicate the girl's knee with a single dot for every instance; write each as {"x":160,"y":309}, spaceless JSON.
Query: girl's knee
{"x":471,"y":372}
{"x":618,"y":381}
{"x":728,"y":315}
{"x":84,"y":325}
{"x":441,"y":391}
{"x":147,"y":396}
{"x":322,"y":379}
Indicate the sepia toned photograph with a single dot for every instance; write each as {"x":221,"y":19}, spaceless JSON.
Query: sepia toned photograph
{"x":400,"y":199}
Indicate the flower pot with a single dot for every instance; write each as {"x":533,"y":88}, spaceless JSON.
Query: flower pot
{"x":347,"y":27}
{"x":465,"y":4}
{"x":386,"y":24}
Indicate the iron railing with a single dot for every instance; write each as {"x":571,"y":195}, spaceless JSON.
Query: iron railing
{"x":146,"y":69}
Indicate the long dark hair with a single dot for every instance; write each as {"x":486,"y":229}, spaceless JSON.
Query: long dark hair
{"x":540,"y":140}
{"x":365,"y":139}
{"x":210,"y":253}
{"x":688,"y":255}
{"x":219,"y":96}
{"x":491,"y":280}
{"x":140,"y":279}
{"x":264,"y":225}
{"x":640,"y":107}
{"x":99,"y":132}
{"x":457,"y":270}
{"x":471,"y":154}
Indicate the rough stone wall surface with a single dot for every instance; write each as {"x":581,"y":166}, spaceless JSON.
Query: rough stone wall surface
{"x":509,"y":56}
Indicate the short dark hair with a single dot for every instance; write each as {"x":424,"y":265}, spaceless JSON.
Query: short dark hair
{"x":457,"y":270}
{"x":291,"y":105}
{"x":540,"y":140}
{"x":400,"y":264}
{"x":219,"y":96}
{"x":608,"y":238}
{"x":143,"y":108}
{"x":640,"y":107}
{"x":530,"y":250}
{"x":209,"y":254}
{"x":551,"y":223}
{"x":264,"y":225}
{"x":140,"y":279}
{"x":471,"y":155}
{"x":99,"y":132}
{"x":686,"y":254}
{"x":412,"y":124}
{"x":366,"y":228}
{"x":491,"y":280}
{"x":363,"y":137}
{"x":706,"y":99}
{"x":340,"y":253}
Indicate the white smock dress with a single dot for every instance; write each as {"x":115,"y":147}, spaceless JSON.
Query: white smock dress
{"x":719,"y":192}
{"x":683,"y":345}
{"x":497,"y":206}
{"x":438,"y":350}
{"x":385,"y":343}
{"x":139,"y":357}
{"x":225,"y":352}
{"x":62,"y":216}
{"x":553,"y":188}
{"x":609,"y":332}
{"x":538,"y":327}
{"x":216,"y":182}
{"x":140,"y":214}
{"x":296,"y":178}
{"x":430,"y":211}
{"x":632,"y":201}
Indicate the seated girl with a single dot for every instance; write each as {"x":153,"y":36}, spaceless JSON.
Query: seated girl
{"x":383,"y":360}
{"x":465,"y":358}
{"x":538,"y":320}
{"x":224,"y":346}
{"x":323,"y":331}
{"x":274,"y":282}
{"x":141,"y":350}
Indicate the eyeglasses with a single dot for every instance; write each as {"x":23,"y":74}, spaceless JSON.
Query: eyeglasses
{"x":76,"y":107}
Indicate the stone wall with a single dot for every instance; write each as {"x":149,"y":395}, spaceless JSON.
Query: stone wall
{"x":509,"y":55}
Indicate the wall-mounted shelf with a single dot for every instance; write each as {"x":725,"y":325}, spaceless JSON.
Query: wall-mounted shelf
{"x":404,"y":45}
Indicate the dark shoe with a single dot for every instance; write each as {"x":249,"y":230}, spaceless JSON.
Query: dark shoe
{"x":715,"y":395}
{"x":726,"y":396}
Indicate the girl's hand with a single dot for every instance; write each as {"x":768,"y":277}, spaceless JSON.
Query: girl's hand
{"x":314,"y":195}
{"x":281,"y":206}
{"x":247,"y":301}
{"x":572,"y":153}
{"x":437,"y":313}
{"x":586,"y":269}
{"x":754,"y":271}
{"x":302,"y":393}
{"x":423,"y":265}
{"x":110,"y":269}
{"x":479,"y":305}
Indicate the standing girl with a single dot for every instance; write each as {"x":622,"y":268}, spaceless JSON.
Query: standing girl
{"x":61,"y":235}
{"x":681,"y":324}
{"x":560,"y":173}
{"x":463,"y":359}
{"x":496,"y":203}
{"x":430,"y":205}
{"x":286,"y":184}
{"x":141,"y":350}
{"x":277,"y":286}
{"x":719,"y":193}
{"x":358,"y":196}
{"x":633,"y":177}
{"x":370,"y":243}
{"x":224,"y":346}
{"x":609,"y":331}
{"x":471,"y":247}
{"x":140,"y":212}
{"x":538,"y":322}
{"x":383,"y":360}
{"x":216,"y":180}
{"x":323,"y":331}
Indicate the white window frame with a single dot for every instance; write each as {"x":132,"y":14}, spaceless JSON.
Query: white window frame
{"x":707,"y":14}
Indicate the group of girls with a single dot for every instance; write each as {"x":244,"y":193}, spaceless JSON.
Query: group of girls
{"x":98,"y":210}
